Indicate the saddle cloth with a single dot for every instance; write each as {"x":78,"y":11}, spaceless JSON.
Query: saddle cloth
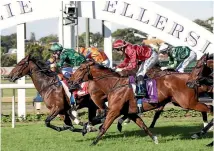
{"x":151,"y":88}
{"x":67,"y":72}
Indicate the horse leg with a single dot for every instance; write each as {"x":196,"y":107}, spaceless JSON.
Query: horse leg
{"x":201,"y":107}
{"x":120,"y":122}
{"x":111,"y":116}
{"x":204,"y":116}
{"x":141,"y":124}
{"x":53,"y":114}
{"x":67,"y":122}
{"x":88,"y":127}
{"x":76,"y":120}
{"x":156,"y":116}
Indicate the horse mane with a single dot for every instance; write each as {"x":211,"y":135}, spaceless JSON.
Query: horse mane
{"x":44,"y":68}
{"x":211,"y":56}
{"x":102,"y":67}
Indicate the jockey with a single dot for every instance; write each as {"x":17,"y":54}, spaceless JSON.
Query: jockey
{"x":97,"y":55}
{"x":71,"y":58}
{"x":52,"y":63}
{"x":134,"y":53}
{"x":179,"y":57}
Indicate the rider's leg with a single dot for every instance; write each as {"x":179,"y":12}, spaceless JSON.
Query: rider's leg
{"x":192,"y":57}
{"x":148,"y":64}
{"x":68,"y":93}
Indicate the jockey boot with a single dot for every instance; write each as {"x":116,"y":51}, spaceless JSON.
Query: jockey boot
{"x":139,"y":105}
{"x":72,"y":101}
{"x":141,"y":86}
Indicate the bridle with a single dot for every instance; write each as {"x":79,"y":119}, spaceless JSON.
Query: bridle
{"x":16,"y":74}
{"x":194,"y":84}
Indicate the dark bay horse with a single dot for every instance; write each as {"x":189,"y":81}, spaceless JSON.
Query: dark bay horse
{"x":120,"y":97}
{"x":202,"y":73}
{"x":51,"y":90}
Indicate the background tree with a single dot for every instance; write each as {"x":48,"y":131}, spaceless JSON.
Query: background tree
{"x":32,"y":37}
{"x":205,"y":24}
{"x":35,"y":50}
{"x":128,"y":34}
{"x":8,"y":42}
{"x":8,"y":60}
{"x":49,"y":39}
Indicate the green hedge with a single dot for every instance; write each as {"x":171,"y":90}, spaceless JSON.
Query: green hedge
{"x":170,"y":113}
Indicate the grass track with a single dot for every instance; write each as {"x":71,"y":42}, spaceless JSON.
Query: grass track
{"x":173,"y":134}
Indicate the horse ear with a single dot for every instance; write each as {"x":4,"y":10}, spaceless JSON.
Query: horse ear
{"x":28,"y":57}
{"x":207,"y":56}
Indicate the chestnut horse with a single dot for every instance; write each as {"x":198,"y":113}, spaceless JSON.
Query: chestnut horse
{"x":121,"y":99}
{"x":171,"y":88}
{"x":179,"y":80}
{"x":51,"y":90}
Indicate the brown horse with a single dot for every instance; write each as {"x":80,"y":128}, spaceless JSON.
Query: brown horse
{"x":201,"y":74}
{"x":51,"y":90}
{"x":173,"y":89}
{"x":121,"y":99}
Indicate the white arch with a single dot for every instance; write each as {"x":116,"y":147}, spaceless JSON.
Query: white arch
{"x":142,"y":15}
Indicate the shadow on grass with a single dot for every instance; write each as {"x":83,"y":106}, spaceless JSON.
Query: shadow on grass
{"x":176,"y":132}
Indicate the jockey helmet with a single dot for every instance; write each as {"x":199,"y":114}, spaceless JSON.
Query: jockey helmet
{"x":56,"y":47}
{"x":119,"y":44}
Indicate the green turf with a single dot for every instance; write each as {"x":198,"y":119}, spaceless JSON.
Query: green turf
{"x":173,"y":134}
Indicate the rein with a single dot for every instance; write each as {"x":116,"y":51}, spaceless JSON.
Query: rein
{"x":39,"y":71}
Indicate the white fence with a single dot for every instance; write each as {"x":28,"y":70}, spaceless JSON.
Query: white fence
{"x":15,"y":86}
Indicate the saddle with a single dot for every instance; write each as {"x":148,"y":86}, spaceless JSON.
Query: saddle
{"x":150,"y":86}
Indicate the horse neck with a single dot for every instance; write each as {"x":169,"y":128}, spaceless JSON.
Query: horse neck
{"x":106,"y":79}
{"x":40,"y":80}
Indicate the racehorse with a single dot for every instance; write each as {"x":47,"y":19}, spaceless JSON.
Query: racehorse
{"x":51,"y":90}
{"x":171,"y":88}
{"x":201,"y":74}
{"x":177,"y":92}
{"x":120,"y":96}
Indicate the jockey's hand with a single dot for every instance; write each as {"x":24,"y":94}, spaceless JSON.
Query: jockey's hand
{"x":119,"y":70}
{"x":163,"y":68}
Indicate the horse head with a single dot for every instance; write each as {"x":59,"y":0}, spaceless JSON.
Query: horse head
{"x":82,"y":74}
{"x":200,"y":71}
{"x":20,"y":70}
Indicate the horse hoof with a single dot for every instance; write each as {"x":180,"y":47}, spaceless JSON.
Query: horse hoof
{"x":84,"y":131}
{"x":155,"y":139}
{"x":93,"y":143}
{"x":195,"y":136}
{"x":100,"y":127}
{"x":119,"y":127}
{"x":92,"y":129}
{"x":58,"y":129}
